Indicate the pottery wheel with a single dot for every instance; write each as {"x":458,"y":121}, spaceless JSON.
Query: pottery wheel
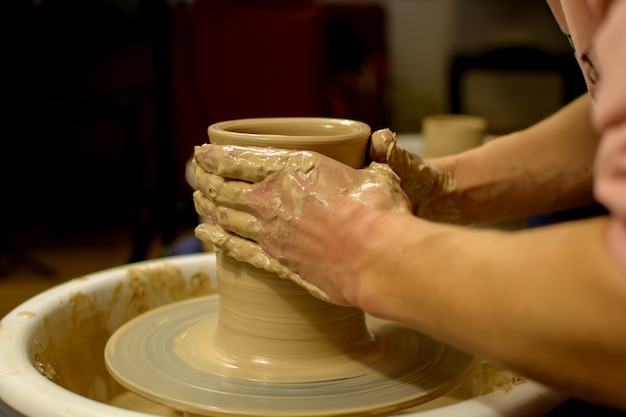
{"x":162,"y":355}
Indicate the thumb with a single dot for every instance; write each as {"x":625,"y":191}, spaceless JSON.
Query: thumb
{"x":381,"y":144}
{"x":421,"y":182}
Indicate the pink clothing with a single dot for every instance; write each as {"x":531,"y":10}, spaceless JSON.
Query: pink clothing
{"x":597,"y":29}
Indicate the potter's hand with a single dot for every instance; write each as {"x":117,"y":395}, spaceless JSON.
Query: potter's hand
{"x":286,"y":211}
{"x":426,"y":186}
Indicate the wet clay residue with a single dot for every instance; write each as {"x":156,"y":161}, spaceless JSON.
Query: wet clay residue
{"x":69,"y":348}
{"x":485,"y":378}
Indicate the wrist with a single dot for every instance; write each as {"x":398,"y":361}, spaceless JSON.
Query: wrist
{"x":367,"y":247}
{"x":382,"y":242}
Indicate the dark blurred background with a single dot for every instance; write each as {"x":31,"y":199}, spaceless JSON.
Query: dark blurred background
{"x":107,"y":98}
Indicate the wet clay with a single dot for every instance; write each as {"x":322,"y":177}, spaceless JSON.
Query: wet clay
{"x":343,"y":140}
{"x":485,"y":378}
{"x":214,"y":165}
{"x":131,"y":401}
{"x":273,"y":330}
{"x":397,"y":368}
{"x":423,"y":184}
{"x":91,"y":297}
{"x":81,"y":329}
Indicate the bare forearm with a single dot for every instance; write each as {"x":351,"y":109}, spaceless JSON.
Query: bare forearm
{"x":545,"y":168}
{"x":549,"y":303}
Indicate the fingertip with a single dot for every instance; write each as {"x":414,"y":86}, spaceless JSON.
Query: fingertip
{"x":377,"y":152}
{"x":382,"y":141}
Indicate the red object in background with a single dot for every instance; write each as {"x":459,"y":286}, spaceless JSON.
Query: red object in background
{"x":234,"y":59}
{"x":124,"y":91}
{"x":231,"y":62}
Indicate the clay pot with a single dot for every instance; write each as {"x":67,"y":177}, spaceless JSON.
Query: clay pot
{"x":343,"y":140}
{"x":313,"y":336}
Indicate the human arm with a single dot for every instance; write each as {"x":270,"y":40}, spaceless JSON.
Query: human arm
{"x":548,"y":303}
{"x":545,"y":168}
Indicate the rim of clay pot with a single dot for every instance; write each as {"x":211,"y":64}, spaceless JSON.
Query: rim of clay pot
{"x":281,"y":131}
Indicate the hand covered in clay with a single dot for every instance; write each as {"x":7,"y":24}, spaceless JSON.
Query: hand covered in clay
{"x":426,"y":186}
{"x":285,"y":211}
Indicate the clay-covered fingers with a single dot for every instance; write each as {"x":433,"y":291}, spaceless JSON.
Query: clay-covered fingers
{"x":231,"y":193}
{"x":230,"y":219}
{"x":425,"y":185}
{"x":381,"y":143}
{"x":229,"y":244}
{"x":245,"y":250}
{"x":387,"y":190}
{"x":251,"y":164}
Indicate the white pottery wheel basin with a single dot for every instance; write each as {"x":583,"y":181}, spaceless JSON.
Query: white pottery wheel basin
{"x":52,"y":361}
